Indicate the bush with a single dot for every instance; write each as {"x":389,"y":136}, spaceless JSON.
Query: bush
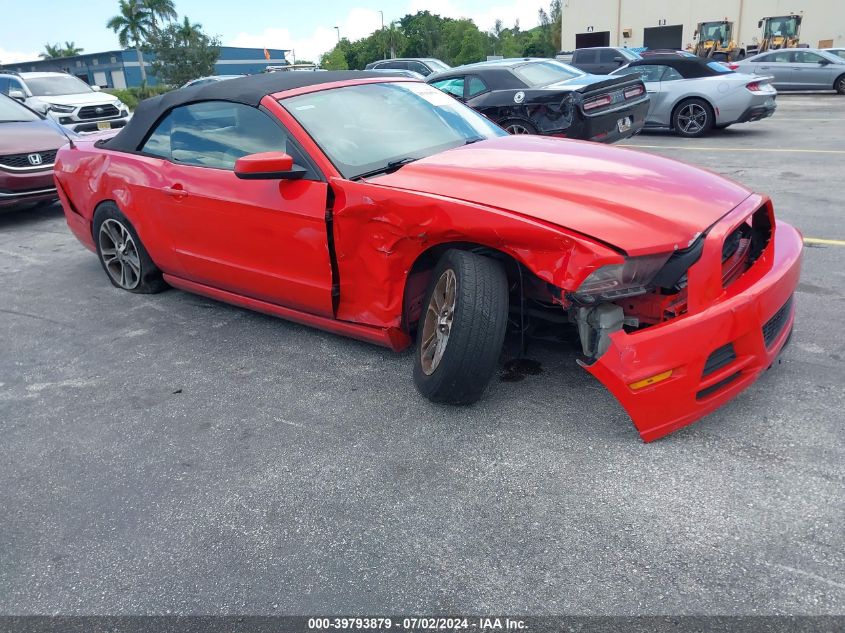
{"x":131,"y":96}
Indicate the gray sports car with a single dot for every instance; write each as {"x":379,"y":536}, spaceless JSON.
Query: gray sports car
{"x":691,"y":96}
{"x":798,"y":69}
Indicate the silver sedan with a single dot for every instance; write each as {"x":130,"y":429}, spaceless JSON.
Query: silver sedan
{"x":798,"y":69}
{"x":691,"y":96}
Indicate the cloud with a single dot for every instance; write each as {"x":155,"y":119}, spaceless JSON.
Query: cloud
{"x":12,"y":57}
{"x":358,"y":23}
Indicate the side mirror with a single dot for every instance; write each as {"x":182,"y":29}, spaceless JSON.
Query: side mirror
{"x":760,"y":24}
{"x":824,"y":62}
{"x":268,"y":166}
{"x":95,"y":88}
{"x":17,"y":94}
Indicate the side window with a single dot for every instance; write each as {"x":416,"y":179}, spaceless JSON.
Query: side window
{"x":394,"y":65}
{"x":476,"y":87}
{"x":4,"y":85}
{"x":417,"y":67}
{"x":670,"y":74}
{"x":781,"y":57}
{"x":806,"y":57}
{"x":648,"y":72}
{"x":585,"y":57}
{"x":606,"y":55}
{"x":215,"y":134}
{"x":14,"y":84}
{"x":453,"y":86}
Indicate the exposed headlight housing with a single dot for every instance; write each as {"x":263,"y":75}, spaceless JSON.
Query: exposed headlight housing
{"x":64,"y":109}
{"x":615,"y":281}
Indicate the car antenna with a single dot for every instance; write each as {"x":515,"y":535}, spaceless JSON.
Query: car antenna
{"x":65,"y":134}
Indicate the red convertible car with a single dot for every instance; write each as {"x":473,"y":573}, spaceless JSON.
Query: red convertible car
{"x":383,"y":209}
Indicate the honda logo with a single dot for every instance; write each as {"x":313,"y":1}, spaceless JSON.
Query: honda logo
{"x":35,"y":159}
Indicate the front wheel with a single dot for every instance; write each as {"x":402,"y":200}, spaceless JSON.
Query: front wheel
{"x":839,"y":86}
{"x":460,"y":335}
{"x":693,"y":118}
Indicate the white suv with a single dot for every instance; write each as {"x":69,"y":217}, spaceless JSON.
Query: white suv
{"x":67,"y":100}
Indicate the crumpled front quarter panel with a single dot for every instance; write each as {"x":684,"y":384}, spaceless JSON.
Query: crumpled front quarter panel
{"x":379,"y":232}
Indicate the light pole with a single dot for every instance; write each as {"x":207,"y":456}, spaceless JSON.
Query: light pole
{"x":381,"y":13}
{"x":337,"y":28}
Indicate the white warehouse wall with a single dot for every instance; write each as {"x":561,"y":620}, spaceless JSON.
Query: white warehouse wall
{"x":823,"y":19}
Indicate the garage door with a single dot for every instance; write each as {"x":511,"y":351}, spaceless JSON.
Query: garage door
{"x":588,"y":40}
{"x":664,"y":37}
{"x":118,"y":80}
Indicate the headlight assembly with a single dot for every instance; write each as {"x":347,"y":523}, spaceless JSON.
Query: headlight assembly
{"x":620,"y":280}
{"x":63,"y":109}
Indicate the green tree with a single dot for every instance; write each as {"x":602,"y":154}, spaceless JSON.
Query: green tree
{"x":132,"y":25}
{"x":164,"y":10}
{"x":71,"y":49}
{"x":335,"y":58}
{"x":183,"y":52}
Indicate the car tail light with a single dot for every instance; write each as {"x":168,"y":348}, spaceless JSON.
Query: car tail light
{"x":636,"y":91}
{"x":732,"y":66}
{"x":598,"y":102}
{"x":754,"y":86}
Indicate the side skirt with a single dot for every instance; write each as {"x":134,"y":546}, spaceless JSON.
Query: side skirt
{"x":393,"y":338}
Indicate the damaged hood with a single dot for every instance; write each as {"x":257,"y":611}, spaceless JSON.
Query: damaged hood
{"x":640,"y":203}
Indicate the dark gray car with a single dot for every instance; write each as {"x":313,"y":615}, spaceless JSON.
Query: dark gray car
{"x":797,"y":69}
{"x":602,"y":60}
{"x":422,"y":65}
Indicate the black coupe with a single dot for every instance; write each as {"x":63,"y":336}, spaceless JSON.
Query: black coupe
{"x":545,"y":96}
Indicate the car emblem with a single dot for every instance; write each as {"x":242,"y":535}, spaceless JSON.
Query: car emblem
{"x":35,"y":159}
{"x":98,"y":110}
{"x":519,"y":97}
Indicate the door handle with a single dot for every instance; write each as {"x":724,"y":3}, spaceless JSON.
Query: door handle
{"x":176,"y":191}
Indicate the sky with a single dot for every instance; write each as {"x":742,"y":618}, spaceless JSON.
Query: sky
{"x":305,"y":27}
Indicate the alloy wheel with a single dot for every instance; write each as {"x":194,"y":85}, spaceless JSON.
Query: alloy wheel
{"x":692,"y":118}
{"x":516,"y":128}
{"x":119,"y":254}
{"x":437,"y":324}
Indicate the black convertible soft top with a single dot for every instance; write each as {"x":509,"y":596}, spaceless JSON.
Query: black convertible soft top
{"x":247,"y":90}
{"x":689,"y":67}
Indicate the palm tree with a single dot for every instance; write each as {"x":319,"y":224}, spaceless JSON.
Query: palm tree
{"x":51,"y":51}
{"x":132,"y":25}
{"x":72,"y":49}
{"x":164,"y":10}
{"x":187,"y":30}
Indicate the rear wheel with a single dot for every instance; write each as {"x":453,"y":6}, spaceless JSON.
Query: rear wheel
{"x":692,"y":118}
{"x":839,"y":85}
{"x":460,"y":334}
{"x":122,"y":255}
{"x":519,"y":126}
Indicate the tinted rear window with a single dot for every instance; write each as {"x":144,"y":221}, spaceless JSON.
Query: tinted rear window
{"x":536,"y":74}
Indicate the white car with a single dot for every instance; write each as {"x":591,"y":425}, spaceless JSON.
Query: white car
{"x":67,"y":100}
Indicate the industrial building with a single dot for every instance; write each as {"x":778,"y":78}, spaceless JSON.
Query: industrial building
{"x":672,"y":23}
{"x":120,"y":68}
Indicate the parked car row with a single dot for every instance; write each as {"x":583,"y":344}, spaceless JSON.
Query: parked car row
{"x":383,"y":209}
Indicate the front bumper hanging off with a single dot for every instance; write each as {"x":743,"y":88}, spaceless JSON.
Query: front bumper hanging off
{"x":720,"y":347}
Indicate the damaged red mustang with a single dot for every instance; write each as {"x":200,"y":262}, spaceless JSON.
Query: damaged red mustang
{"x":382,"y":209}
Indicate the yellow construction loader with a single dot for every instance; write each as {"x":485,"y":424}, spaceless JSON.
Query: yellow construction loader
{"x":715,"y":40}
{"x":780,"y":31}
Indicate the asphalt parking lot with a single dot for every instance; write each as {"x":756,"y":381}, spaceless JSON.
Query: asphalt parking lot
{"x":168,"y":453}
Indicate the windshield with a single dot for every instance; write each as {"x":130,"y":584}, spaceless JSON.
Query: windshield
{"x":367,"y":128}
{"x":717,"y":31}
{"x":55,"y":86}
{"x":538,"y":74}
{"x":12,"y":111}
{"x":629,"y":54}
{"x":781,"y":26}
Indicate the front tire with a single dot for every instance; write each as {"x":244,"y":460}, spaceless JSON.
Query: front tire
{"x":461,"y":332}
{"x":839,"y":85}
{"x":122,"y":255}
{"x":693,"y":118}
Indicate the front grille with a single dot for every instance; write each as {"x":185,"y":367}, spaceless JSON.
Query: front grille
{"x":98,"y":111}
{"x":19,"y":161}
{"x":775,"y":325}
{"x":722,"y":357}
